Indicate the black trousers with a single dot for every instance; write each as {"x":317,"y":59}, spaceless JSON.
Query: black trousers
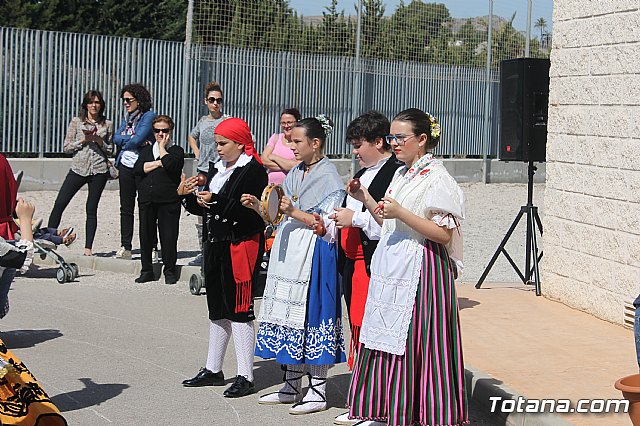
{"x":164,"y":218}
{"x":129,"y":184}
{"x":71,"y":185}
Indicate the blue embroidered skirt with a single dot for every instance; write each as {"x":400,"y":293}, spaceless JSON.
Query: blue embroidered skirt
{"x":321,"y":342}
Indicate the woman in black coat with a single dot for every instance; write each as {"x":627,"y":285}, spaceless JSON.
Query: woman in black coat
{"x":160,"y":166}
{"x":233,"y":247}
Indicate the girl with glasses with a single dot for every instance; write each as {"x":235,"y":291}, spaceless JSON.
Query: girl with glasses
{"x":202,"y":141}
{"x":159,"y":167}
{"x":133,"y":133}
{"x":89,"y":140}
{"x":409,"y":368}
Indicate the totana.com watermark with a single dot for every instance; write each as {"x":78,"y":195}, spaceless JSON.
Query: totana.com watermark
{"x":522,"y":405}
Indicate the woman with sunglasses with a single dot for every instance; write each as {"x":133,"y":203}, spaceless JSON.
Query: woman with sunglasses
{"x":133,"y":134}
{"x":159,"y":167}
{"x":89,"y":140}
{"x":202,"y":141}
{"x":409,"y":368}
{"x":277,"y":156}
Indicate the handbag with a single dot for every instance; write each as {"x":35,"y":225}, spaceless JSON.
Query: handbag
{"x":113,"y":171}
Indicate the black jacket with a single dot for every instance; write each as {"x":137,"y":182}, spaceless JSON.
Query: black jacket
{"x":160,"y":186}
{"x":228,"y":219}
{"x":377,"y":189}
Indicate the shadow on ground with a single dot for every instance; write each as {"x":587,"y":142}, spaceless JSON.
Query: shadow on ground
{"x":92,"y":394}
{"x":20,"y":339}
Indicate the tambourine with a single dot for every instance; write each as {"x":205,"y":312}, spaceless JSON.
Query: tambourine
{"x":270,"y":204}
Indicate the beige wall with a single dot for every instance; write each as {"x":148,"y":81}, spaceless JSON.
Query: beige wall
{"x":592,"y":200}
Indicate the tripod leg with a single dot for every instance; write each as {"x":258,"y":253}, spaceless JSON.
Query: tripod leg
{"x":538,"y":221}
{"x":500,"y":248}
{"x":534,"y":251}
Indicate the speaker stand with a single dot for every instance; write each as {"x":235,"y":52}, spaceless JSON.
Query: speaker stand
{"x":531,"y":249}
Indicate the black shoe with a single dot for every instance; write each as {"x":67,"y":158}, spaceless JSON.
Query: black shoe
{"x":205,"y":378}
{"x":145,"y":277}
{"x":240,"y":387}
{"x":170,"y":279}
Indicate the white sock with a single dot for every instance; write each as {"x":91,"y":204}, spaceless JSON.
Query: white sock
{"x":244,"y":340}
{"x":219,"y":334}
{"x":294,"y":375}
{"x":318,"y":385}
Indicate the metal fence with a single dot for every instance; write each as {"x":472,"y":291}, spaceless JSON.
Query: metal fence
{"x":43,"y":76}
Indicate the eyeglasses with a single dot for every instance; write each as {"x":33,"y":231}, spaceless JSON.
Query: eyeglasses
{"x":165,"y":130}
{"x":287,"y":123}
{"x":128,"y":100}
{"x":213,"y":100}
{"x":399,"y":139}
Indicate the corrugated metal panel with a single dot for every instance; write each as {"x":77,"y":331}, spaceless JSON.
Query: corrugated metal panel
{"x":44,"y":75}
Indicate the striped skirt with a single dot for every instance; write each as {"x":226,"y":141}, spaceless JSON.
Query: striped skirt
{"x":425,"y":386}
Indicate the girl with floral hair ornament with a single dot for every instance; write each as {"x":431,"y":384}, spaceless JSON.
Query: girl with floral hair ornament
{"x":300,"y":314}
{"x":409,"y":368}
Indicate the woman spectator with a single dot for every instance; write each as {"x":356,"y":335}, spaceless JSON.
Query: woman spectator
{"x":277,"y":156}
{"x":159,"y":167}
{"x":300,"y":315}
{"x":134,"y":133}
{"x":88,"y":139}
{"x":410,"y":354}
{"x":232,"y":247}
{"x":203,"y":144}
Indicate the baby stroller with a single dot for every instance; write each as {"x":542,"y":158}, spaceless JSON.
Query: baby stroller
{"x":66,"y":272}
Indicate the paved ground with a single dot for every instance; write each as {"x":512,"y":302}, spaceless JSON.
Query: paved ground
{"x":110,"y":351}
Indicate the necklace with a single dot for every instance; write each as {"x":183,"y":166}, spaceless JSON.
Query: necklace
{"x":307,"y":167}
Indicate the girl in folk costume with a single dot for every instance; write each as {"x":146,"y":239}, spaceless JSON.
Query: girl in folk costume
{"x":300,"y":313}
{"x":409,"y":368}
{"x":233,"y":246}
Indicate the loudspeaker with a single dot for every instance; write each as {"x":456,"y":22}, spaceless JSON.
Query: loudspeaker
{"x":524,"y":104}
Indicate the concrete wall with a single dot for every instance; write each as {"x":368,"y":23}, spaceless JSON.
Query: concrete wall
{"x":48,"y":174}
{"x":592,"y":198}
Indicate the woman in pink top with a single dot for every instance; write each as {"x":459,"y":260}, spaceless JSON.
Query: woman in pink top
{"x":277,"y":156}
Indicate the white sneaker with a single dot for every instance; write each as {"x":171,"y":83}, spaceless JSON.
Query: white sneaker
{"x":343,"y":419}
{"x":123,"y":253}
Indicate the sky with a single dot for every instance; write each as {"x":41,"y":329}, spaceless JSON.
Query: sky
{"x":457,"y":8}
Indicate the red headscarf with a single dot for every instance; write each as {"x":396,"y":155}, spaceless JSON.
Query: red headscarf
{"x":8,"y":194}
{"x":237,"y":130}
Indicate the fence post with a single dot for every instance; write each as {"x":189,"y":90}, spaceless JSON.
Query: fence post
{"x":487,"y":131}
{"x":355,"y":96}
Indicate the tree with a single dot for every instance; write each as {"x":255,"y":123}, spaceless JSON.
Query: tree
{"x":542,"y":24}
{"x":373,"y":34}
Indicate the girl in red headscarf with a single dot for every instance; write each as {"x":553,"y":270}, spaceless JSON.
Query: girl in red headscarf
{"x":232,"y":247}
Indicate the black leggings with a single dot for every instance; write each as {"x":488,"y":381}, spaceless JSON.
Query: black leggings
{"x":71,"y":185}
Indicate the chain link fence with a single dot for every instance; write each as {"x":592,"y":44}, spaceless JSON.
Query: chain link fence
{"x":268,"y":56}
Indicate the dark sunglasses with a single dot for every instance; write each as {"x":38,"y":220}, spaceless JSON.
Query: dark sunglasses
{"x":128,"y":100}
{"x":167,"y":130}
{"x":213,"y":100}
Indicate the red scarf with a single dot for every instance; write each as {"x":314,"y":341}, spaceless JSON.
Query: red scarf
{"x":8,"y":194}
{"x":237,"y":130}
{"x":243,"y":258}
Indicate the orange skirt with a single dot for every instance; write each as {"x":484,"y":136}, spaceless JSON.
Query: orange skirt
{"x":22,"y":400}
